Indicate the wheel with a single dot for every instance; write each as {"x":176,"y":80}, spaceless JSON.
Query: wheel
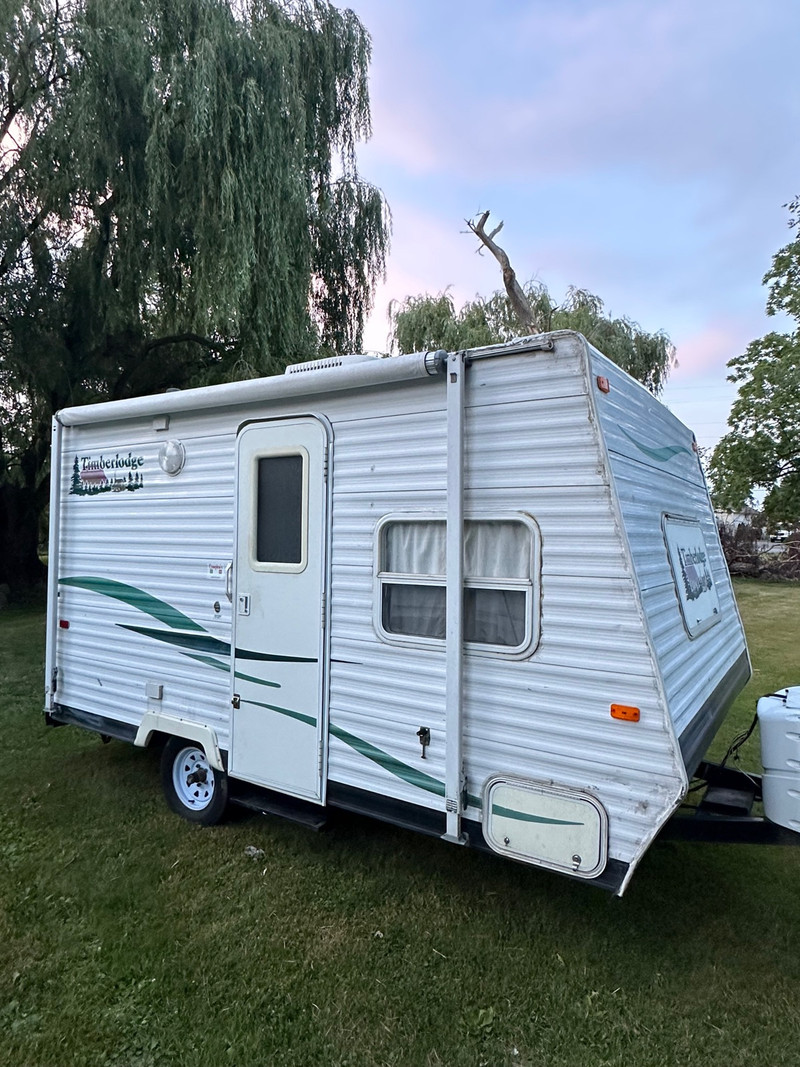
{"x":192,"y":787}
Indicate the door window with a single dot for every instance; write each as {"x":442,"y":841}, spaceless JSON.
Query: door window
{"x":280,"y":512}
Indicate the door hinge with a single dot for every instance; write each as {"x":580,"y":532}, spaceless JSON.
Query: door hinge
{"x":54,"y":682}
{"x":236,"y":701}
{"x":323,"y":601}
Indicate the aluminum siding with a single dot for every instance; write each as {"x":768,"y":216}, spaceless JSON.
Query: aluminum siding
{"x":657,"y":472}
{"x":159,"y":539}
{"x":531,"y":446}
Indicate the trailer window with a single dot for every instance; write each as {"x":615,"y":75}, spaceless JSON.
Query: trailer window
{"x":498,"y":581}
{"x":279,"y":510}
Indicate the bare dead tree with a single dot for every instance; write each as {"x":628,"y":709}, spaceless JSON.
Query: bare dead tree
{"x":519,"y":302}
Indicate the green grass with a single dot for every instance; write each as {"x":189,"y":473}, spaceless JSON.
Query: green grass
{"x":129,"y":938}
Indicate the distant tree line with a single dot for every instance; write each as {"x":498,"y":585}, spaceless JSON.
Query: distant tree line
{"x":761,"y":451}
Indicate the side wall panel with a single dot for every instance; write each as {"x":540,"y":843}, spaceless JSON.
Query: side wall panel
{"x":531,"y":447}
{"x":657,"y":473}
{"x":141,"y":569}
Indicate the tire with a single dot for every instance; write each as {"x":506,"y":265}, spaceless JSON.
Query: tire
{"x":192,"y":788}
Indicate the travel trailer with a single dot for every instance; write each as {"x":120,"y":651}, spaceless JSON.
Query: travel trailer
{"x":480,"y":594}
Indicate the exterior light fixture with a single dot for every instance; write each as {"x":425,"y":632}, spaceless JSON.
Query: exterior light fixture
{"x":171,"y":457}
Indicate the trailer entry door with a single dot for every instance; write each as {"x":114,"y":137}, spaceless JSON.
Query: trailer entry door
{"x":277,"y":729}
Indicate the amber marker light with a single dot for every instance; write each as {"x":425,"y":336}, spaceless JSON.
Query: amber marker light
{"x":625,"y":712}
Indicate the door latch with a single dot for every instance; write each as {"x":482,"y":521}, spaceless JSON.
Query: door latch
{"x":236,"y":701}
{"x":244,"y":605}
{"x":424,"y":735}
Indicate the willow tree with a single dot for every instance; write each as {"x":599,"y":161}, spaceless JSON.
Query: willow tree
{"x":180,"y":203}
{"x":427,"y":322}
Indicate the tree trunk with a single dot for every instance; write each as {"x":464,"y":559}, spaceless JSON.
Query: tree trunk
{"x":516,"y":295}
{"x":20,"y":566}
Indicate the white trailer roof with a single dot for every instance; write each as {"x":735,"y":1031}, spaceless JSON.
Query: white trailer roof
{"x":343,"y":373}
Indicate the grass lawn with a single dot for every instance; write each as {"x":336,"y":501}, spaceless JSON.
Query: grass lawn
{"x":129,"y":938}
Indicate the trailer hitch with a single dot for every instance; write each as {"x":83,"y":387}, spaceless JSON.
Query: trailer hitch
{"x":724,"y":813}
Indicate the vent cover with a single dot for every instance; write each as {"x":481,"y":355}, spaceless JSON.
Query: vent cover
{"x":327,"y":364}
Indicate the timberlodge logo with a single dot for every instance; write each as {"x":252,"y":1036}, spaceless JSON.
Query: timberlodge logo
{"x":107,"y":474}
{"x":694,"y":571}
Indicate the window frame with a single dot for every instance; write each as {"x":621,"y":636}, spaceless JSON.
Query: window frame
{"x":531,"y":585}
{"x":265,"y":566}
{"x":669,"y":522}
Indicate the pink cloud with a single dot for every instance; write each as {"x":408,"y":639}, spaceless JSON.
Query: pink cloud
{"x":709,"y":349}
{"x":563,"y":87}
{"x":429,"y":254}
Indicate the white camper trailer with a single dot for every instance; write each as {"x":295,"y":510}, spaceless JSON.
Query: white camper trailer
{"x":479,"y":594}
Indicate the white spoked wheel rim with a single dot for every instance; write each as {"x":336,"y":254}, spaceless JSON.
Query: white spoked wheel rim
{"x":193,"y":778}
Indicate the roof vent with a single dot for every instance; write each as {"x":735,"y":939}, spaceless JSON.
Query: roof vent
{"x":327,"y":364}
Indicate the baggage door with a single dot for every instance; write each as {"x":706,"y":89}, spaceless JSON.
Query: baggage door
{"x":277,"y":730}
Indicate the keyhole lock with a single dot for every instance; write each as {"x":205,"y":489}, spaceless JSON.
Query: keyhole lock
{"x":424,"y":735}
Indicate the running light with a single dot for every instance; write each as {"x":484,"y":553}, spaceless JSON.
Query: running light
{"x":625,"y":712}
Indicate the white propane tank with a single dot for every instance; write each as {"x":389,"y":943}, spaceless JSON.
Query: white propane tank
{"x":779,"y":719}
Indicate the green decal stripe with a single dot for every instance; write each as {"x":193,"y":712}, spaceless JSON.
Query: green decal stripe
{"x":266,"y":657}
{"x":207,"y":660}
{"x":203,"y":642}
{"x":509,"y":813}
{"x":364,"y":748}
{"x":198,"y":643}
{"x":426,"y":781}
{"x":176,"y":620}
{"x":389,"y":763}
{"x":226,"y":668}
{"x":255,"y":681}
{"x":307,"y":719}
{"x":662,"y":455}
{"x":524,"y":816}
{"x":136,"y":598}
{"x":408,"y":774}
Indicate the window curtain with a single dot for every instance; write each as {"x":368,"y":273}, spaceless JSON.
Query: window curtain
{"x":492,"y":549}
{"x":499,"y":550}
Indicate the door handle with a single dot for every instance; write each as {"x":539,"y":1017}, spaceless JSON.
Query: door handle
{"x":229,"y":582}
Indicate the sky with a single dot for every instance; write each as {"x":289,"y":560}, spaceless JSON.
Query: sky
{"x":641,"y":149}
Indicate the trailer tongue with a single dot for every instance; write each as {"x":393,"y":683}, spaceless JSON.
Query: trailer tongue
{"x":728,"y":796}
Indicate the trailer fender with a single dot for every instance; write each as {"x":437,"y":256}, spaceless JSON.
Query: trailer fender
{"x":153,"y":723}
